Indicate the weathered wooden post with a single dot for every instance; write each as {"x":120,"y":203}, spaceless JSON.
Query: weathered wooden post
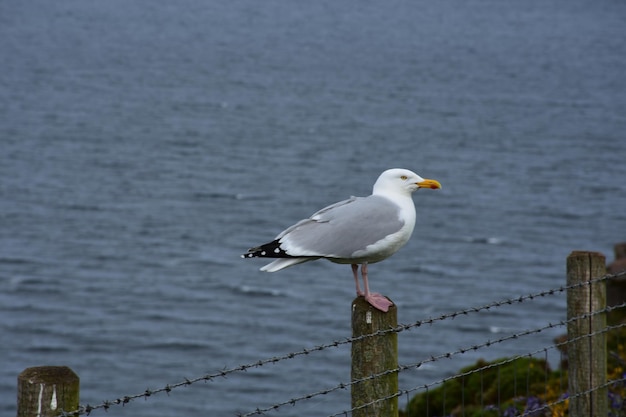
{"x":586,"y":354}
{"x":374,"y":355}
{"x":46,"y":391}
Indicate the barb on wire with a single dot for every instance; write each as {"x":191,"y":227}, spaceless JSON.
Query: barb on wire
{"x":87,"y":409}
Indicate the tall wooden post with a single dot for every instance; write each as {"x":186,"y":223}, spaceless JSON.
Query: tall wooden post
{"x":46,"y":391}
{"x":586,"y":355}
{"x":374,"y":355}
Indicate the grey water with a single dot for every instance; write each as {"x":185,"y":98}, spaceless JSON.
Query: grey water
{"x":145,"y":145}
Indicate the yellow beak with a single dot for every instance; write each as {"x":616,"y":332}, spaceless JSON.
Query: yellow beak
{"x":432,"y":184}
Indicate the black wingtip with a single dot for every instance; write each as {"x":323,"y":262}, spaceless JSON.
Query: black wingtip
{"x":268,"y":250}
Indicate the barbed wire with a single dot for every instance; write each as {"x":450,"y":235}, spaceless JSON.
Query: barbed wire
{"x":447,"y":355}
{"x":426,"y":387}
{"x":105,"y":405}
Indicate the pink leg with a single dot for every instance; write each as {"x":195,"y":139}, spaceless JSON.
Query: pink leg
{"x":378,"y":301}
{"x":355,"y":270}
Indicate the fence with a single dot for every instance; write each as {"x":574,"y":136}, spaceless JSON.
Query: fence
{"x":505,"y":387}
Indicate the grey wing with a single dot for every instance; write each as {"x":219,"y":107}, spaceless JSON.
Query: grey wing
{"x":316,"y":215}
{"x":340,"y":230}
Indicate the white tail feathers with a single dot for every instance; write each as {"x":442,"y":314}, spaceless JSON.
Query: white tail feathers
{"x":283,"y":263}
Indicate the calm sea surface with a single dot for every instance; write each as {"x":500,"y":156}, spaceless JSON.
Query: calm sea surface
{"x":145,"y":145}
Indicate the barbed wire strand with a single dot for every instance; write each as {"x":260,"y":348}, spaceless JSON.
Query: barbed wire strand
{"x":105,"y":405}
{"x":426,"y":387}
{"x":435,"y":358}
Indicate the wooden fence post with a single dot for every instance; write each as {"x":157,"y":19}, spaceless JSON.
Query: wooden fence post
{"x":46,"y":391}
{"x":586,"y":355}
{"x":373,"y":355}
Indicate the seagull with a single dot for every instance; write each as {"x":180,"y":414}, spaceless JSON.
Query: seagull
{"x":356,"y":231}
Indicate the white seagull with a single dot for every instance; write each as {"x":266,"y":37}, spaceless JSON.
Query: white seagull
{"x":359,"y":230}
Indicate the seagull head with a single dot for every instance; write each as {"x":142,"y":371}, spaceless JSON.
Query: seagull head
{"x":402,"y":181}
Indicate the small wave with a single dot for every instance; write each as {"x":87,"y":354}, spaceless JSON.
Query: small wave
{"x":47,"y":349}
{"x":81,"y":207}
{"x":20,"y":281}
{"x":433,"y":270}
{"x":498,"y":329}
{"x":15,"y":261}
{"x":259,"y":291}
{"x":486,"y":240}
{"x":179,"y":345}
{"x":229,"y":196}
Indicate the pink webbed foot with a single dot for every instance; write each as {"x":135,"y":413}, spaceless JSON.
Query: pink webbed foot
{"x":379,"y":302}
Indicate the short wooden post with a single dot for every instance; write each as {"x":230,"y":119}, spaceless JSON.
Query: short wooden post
{"x":374,"y":355}
{"x":586,"y":355}
{"x":46,"y":391}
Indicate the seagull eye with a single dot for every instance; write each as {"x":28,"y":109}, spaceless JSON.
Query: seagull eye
{"x":404,"y":178}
